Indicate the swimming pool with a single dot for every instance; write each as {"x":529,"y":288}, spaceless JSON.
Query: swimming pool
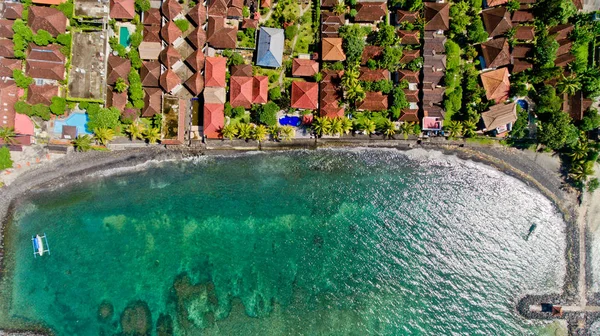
{"x":78,"y":120}
{"x":523,"y":103}
{"x":124,"y":39}
{"x":292,"y":121}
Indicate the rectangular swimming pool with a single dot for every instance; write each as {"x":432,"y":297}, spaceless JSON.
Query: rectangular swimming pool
{"x":124,"y":39}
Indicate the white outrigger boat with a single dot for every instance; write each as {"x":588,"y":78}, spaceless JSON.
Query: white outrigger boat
{"x":39,"y":242}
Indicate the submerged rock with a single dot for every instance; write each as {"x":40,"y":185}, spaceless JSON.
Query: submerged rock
{"x":105,"y":311}
{"x":136,"y":319}
{"x":164,"y":325}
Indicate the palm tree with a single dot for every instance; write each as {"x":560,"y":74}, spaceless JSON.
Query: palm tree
{"x":350,"y":76}
{"x":355,"y":93}
{"x":569,"y":85}
{"x":416,"y":128}
{"x":152,"y":134}
{"x":346,"y":125}
{"x":469,"y":128}
{"x":244,"y":131}
{"x":406,"y":129}
{"x":369,"y":126}
{"x":83,"y":143}
{"x":287,"y":133}
{"x":454,"y":128}
{"x":260,"y":133}
{"x":120,"y":85}
{"x":104,"y":135}
{"x":579,"y":152}
{"x":336,"y":126}
{"x":339,"y":8}
{"x":7,"y":135}
{"x":229,"y":131}
{"x":275,"y":132}
{"x":389,"y":128}
{"x":581,"y":170}
{"x":135,"y":130}
{"x":321,"y":126}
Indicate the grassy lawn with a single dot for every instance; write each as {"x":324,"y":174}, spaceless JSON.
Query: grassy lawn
{"x":273,"y":75}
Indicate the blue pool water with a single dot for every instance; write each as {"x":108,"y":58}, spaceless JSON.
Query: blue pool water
{"x":292,"y":121}
{"x":524,"y":105}
{"x":78,"y":120}
{"x":124,"y":39}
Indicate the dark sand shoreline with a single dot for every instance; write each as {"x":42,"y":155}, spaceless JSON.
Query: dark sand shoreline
{"x":78,"y":167}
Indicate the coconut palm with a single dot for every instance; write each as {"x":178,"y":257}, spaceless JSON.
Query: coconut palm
{"x":355,"y":94}
{"x":389,"y":128}
{"x":416,"y":128}
{"x":244,"y":131}
{"x":454,"y":129}
{"x":287,"y":133}
{"x":339,"y":8}
{"x":346,"y":125}
{"x":369,"y":126}
{"x":229,"y":131}
{"x":350,"y":76}
{"x":469,"y":128}
{"x":579,"y":152}
{"x":569,"y":85}
{"x":7,"y":135}
{"x":321,"y":126}
{"x":135,"y":130}
{"x":406,"y":129}
{"x":581,"y":170}
{"x":260,"y":133}
{"x":336,"y":126}
{"x":152,"y":134}
{"x":104,"y":135}
{"x":275,"y":132}
{"x":83,"y":143}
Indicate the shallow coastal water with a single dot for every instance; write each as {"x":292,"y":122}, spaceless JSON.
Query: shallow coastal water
{"x":322,"y":242}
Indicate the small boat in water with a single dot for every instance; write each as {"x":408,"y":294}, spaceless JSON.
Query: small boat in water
{"x":38,"y":243}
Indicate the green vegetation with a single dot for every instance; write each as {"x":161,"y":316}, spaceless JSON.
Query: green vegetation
{"x":182,"y":24}
{"x":246,"y":38}
{"x":5,"y":160}
{"x":233,"y":58}
{"x":83,"y":143}
{"x":43,"y":38}
{"x":67,"y":8}
{"x":58,"y":106}
{"x":104,"y":135}
{"x":121,"y":85}
{"x":102,"y":118}
{"x":354,"y":42}
{"x":39,"y":110}
{"x":7,"y":135}
{"x":142,"y":5}
{"x":265,"y":114}
{"x":21,"y":79}
{"x":136,"y":92}
{"x":554,"y":12}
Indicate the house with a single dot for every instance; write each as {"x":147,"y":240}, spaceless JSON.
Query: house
{"x":150,"y":50}
{"x":122,"y":9}
{"x":330,"y":95}
{"x":198,"y":38}
{"x":214,"y":71}
{"x":561,"y":31}
{"x":152,"y":17}
{"x":7,"y":65}
{"x":196,"y":60}
{"x":152,"y":102}
{"x":437,"y":63}
{"x":433,"y":96}
{"x":214,"y":95}
{"x":495,"y":53}
{"x":437,"y":15}
{"x":406,"y":16}
{"x":169,"y":32}
{"x":195,"y":83}
{"x":433,"y":118}
{"x":151,"y":34}
{"x":332,"y":49}
{"x":169,"y":81}
{"x":525,"y":33}
{"x":328,"y":3}
{"x":150,"y":74}
{"x":170,"y":56}
{"x":214,"y":120}
{"x":412,"y":77}
{"x":500,"y":118}
{"x":240,"y":92}
{"x":269,"y":51}
{"x":234,"y":9}
{"x":41,"y":94}
{"x":116,"y":99}
{"x":7,"y":48}
{"x":6,"y":30}
{"x":370,"y":11}
{"x":331,"y":23}
{"x":260,"y":89}
{"x":576,"y":105}
{"x":522,"y":51}
{"x":265,"y":4}
{"x":496,"y":84}
{"x":305,"y":95}
{"x":304,"y":67}
{"x":374,"y":101}
{"x":171,"y":9}
{"x":219,"y":34}
{"x":522,"y":16}
{"x":118,"y":67}
{"x":564,"y":46}
{"x":496,"y":21}
{"x":49,"y":2}
{"x":249,"y":23}
{"x":493,"y":3}
{"x":409,"y":55}
{"x":564,"y":59}
{"x":244,"y":70}
{"x":409,"y":36}
{"x":217,"y":8}
{"x":198,"y":14}
{"x":409,"y":115}
{"x":371,"y":52}
{"x":46,"y":18}
{"x":22,"y":124}
{"x":520,"y":65}
{"x":11,"y":10}
{"x":45,"y":62}
{"x":374,"y":75}
{"x":434,"y":43}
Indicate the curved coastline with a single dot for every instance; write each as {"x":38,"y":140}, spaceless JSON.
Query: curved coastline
{"x":81,"y":166}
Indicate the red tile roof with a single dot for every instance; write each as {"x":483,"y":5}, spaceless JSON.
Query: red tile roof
{"x":198,"y":14}
{"x":370,"y":11}
{"x":369,"y":75}
{"x":371,"y":52}
{"x":521,"y":65}
{"x":249,"y":23}
{"x":116,"y":99}
{"x":12,"y":10}
{"x":45,"y":62}
{"x":152,"y":17}
{"x":496,"y":21}
{"x":169,"y":32}
{"x":150,"y":73}
{"x":437,"y":16}
{"x":241,"y":70}
{"x":169,"y":80}
{"x":408,"y":55}
{"x":214,"y":71}
{"x":214,"y":120}
{"x":332,"y":49}
{"x":496,"y":84}
{"x":9,"y":95}
{"x":46,"y":18}
{"x":561,"y":31}
{"x":152,"y":34}
{"x":122,"y":9}
{"x":406,"y":16}
{"x":7,"y":48}
{"x":195,"y":83}
{"x":41,"y":94}
{"x":304,"y":67}
{"x":118,"y":67}
{"x":7,"y":65}
{"x":260,"y":89}
{"x":493,"y":3}
{"x":197,"y":38}
{"x":525,"y":33}
{"x":217,"y":7}
{"x":496,"y":52}
{"x":409,"y":36}
{"x":6,"y":28}
{"x":374,"y":101}
{"x":305,"y":95}
{"x":196,"y":60}
{"x":409,"y":76}
{"x":169,"y":56}
{"x":521,"y":16}
{"x":152,"y":102}
{"x":409,"y":115}
{"x":219,"y":35}
{"x":240,"y":91}
{"x":170,"y":9}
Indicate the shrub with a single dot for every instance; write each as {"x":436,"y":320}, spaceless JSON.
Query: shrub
{"x":182,"y":24}
{"x":5,"y":160}
{"x":593,"y":184}
{"x":103,"y":117}
{"x":43,"y":38}
{"x":291,"y":32}
{"x":58,"y":106}
{"x":142,"y":5}
{"x":136,"y":39}
{"x":40,"y":110}
{"x":476,"y":32}
{"x":238,"y":112}
{"x":21,"y":79}
{"x":274,"y":93}
{"x":265,"y":114}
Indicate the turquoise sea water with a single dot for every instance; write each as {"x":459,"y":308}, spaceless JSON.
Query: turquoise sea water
{"x":312,"y":243}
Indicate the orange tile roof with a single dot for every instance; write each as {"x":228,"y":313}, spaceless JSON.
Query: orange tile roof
{"x":304,"y":67}
{"x":374,"y":101}
{"x":406,"y":16}
{"x":214,"y":71}
{"x":409,"y":116}
{"x":169,"y":80}
{"x":170,"y":9}
{"x":496,"y":84}
{"x":332,"y":49}
{"x":214,"y":119}
{"x":409,"y":36}
{"x":305,"y":95}
{"x":260,"y":89}
{"x":240,"y":91}
{"x":369,"y":75}
{"x":152,"y":17}
{"x":409,"y":76}
{"x":370,"y":11}
{"x":46,"y":18}
{"x":122,"y":9}
{"x":198,"y":14}
{"x":169,"y":32}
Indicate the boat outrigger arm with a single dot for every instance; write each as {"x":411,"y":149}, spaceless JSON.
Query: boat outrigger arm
{"x":40,"y":245}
